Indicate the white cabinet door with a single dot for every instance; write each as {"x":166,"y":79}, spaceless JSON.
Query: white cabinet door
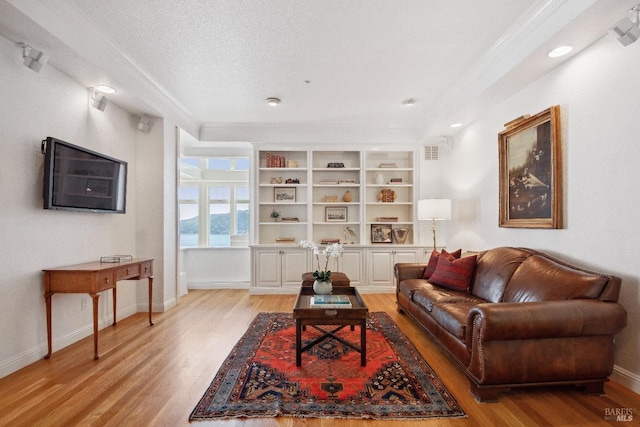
{"x":267,"y":268}
{"x":352,"y":264}
{"x":380,"y":272}
{"x":382,"y":261}
{"x":294,"y":264}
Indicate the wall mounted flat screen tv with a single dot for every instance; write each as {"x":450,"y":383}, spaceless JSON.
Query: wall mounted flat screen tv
{"x":78,"y":179}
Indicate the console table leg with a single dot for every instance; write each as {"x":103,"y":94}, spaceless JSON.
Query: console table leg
{"x":115,"y":302}
{"x":95,"y":325}
{"x":150,"y":299}
{"x":47,"y":298}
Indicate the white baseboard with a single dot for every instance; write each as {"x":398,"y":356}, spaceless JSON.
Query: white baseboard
{"x":626,"y":378}
{"x":218,"y":285}
{"x":37,"y":353}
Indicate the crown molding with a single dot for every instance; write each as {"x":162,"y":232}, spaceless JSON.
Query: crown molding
{"x":543,"y":20}
{"x":309,"y":133}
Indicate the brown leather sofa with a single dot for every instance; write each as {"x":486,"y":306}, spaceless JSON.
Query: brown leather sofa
{"x":527,"y":319}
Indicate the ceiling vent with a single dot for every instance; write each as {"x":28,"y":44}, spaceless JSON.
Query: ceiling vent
{"x":431,"y":152}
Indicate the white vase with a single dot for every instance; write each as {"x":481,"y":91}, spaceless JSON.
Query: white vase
{"x":322,"y":287}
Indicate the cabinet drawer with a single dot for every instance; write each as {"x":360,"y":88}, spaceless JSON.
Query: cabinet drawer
{"x":105,"y":280}
{"x":128,"y":271}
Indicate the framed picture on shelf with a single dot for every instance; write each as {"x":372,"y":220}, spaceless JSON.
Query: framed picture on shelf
{"x":335,"y":214}
{"x":284,"y":194}
{"x":531,"y":171}
{"x":381,"y":233}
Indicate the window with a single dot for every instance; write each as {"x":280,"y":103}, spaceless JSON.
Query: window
{"x":214,"y":201}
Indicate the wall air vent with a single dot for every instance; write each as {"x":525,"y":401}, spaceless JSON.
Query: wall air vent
{"x":431,"y":152}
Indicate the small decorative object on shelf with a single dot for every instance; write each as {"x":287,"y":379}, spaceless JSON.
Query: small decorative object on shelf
{"x":116,"y":258}
{"x":400,"y":235}
{"x":328,"y":182}
{"x":347,"y":197}
{"x":348,"y":231}
{"x":387,"y":165}
{"x":335,"y":165}
{"x":387,"y":196}
{"x":395,"y":181}
{"x":292,"y":163}
{"x":292,"y":181}
{"x":330,"y":199}
{"x":387,"y":219}
{"x":275,"y":215}
{"x":346,"y":181}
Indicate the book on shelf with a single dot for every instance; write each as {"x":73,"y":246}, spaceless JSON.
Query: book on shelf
{"x":330,"y":301}
{"x":329,"y":241}
{"x":289,"y":219}
{"x":285,"y":240}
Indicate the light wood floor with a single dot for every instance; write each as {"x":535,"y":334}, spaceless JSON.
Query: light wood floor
{"x":154,"y":376}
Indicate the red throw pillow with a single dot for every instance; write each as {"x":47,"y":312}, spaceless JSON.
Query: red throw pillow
{"x":454,"y":274}
{"x":433,"y":262}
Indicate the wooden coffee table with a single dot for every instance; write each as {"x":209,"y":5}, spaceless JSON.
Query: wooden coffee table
{"x":340,"y":317}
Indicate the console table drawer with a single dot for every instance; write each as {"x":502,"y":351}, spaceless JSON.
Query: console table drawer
{"x":105,"y":280}
{"x":146,"y":269}
{"x":128,"y":272}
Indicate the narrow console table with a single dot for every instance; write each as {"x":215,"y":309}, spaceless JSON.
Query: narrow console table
{"x":93,"y":278}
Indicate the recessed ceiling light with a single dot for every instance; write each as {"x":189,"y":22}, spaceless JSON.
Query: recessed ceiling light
{"x":273,"y":101}
{"x":105,"y":89}
{"x":409,"y":101}
{"x":455,"y":125}
{"x":560,"y":51}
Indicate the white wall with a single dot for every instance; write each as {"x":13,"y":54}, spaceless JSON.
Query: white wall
{"x":598,"y":92}
{"x":34,"y":106}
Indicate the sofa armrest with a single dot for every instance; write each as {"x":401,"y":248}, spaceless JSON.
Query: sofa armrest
{"x":546,"y":319}
{"x":408,"y":270}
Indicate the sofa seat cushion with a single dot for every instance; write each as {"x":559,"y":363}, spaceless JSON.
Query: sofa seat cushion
{"x":409,"y":286}
{"x":541,"y":279}
{"x":453,"y":317}
{"x":429,"y":294}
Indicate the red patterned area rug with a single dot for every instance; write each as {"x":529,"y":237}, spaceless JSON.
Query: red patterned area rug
{"x":260,"y":377}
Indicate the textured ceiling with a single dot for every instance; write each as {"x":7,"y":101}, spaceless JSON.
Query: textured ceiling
{"x":333,"y":63}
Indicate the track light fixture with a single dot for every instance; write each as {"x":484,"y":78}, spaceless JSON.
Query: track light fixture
{"x":626,"y":30}
{"x":143,"y":122}
{"x":33,"y":58}
{"x":98,"y":100}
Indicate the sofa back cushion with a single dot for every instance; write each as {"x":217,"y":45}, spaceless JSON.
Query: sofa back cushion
{"x":433,"y":261}
{"x":452,"y":273}
{"x":540,"y":278}
{"x":494,"y":269}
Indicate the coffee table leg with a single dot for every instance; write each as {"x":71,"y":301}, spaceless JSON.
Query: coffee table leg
{"x":363,"y":343}
{"x":298,"y":342}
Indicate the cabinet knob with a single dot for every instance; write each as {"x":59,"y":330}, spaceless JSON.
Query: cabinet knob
{"x":128,"y":271}
{"x":106,"y":280}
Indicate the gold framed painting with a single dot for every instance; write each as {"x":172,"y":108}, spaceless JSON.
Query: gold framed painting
{"x":530,"y":157}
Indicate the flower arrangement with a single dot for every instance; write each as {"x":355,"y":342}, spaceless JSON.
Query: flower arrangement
{"x":333,"y":250}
